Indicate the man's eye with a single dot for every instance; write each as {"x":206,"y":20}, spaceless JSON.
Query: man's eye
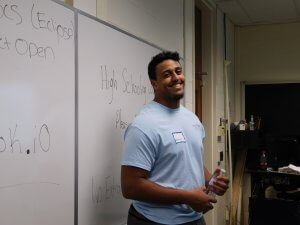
{"x":178,"y":71}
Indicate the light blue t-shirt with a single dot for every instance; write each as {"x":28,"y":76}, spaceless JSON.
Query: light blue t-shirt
{"x":167,"y":143}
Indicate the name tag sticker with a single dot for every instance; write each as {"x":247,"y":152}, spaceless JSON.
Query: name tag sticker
{"x":178,"y":137}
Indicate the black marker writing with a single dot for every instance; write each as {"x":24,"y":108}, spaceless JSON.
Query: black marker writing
{"x":131,"y":87}
{"x":4,"y":43}
{"x":44,"y":132}
{"x":111,"y":188}
{"x":131,"y":84}
{"x":43,"y":137}
{"x":13,"y":140}
{"x":14,"y":9}
{"x":97,"y":193}
{"x":108,"y":83}
{"x":11,"y":13}
{"x":3,"y":144}
{"x":105,"y":192}
{"x":31,"y":49}
{"x":40,"y":20}
{"x":32,"y":23}
{"x":119,"y":122}
{"x":126,"y":82}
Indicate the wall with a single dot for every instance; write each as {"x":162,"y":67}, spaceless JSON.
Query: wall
{"x":213,"y":90}
{"x":159,"y":22}
{"x":88,"y":6}
{"x":189,"y":54}
{"x":169,"y":24}
{"x":208,"y":90}
{"x":220,"y":100}
{"x":265,"y":54}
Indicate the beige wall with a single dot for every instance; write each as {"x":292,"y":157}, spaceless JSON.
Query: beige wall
{"x":213,"y":99}
{"x":266,"y":53}
{"x":208,"y":93}
{"x":156,"y":21}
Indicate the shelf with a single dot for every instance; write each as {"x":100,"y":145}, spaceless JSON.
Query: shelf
{"x":272,"y":173}
{"x":245,"y":139}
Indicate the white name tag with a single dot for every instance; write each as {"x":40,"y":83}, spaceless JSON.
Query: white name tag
{"x":178,"y":137}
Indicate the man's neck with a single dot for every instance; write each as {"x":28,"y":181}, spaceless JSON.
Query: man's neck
{"x":170,"y":104}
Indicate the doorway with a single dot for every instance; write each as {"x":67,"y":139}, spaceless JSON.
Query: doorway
{"x":198,"y":63}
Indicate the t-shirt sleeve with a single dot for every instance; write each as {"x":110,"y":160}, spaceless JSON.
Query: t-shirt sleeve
{"x":202,"y":131}
{"x":138,"y":150}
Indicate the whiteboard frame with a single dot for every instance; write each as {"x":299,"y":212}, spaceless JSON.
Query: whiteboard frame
{"x":75,"y":45}
{"x":75,"y":11}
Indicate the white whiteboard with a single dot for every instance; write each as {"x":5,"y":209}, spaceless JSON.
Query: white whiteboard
{"x":113,"y":87}
{"x":37,"y":113}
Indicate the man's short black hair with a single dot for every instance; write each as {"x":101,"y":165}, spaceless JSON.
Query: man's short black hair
{"x":165,"y":55}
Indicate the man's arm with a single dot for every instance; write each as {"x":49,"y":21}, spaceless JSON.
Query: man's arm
{"x":135,"y":185}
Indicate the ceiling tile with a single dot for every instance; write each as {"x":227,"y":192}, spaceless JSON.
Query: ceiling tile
{"x":270,"y":11}
{"x":233,"y":10}
{"x":253,"y":12}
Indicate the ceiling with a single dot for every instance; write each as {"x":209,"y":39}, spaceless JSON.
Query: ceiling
{"x":254,"y":12}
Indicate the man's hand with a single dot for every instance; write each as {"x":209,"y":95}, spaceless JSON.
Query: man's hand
{"x":220,"y":185}
{"x":200,"y":201}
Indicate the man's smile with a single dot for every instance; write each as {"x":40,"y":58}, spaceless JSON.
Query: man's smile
{"x":177,"y":85}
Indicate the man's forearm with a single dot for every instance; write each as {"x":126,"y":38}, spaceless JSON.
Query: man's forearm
{"x":148,"y":191}
{"x":136,"y":186}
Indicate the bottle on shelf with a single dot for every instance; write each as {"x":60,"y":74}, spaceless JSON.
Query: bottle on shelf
{"x":263,"y":161}
{"x":251,"y":123}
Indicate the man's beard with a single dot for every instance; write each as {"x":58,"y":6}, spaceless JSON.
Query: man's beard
{"x":175,"y":97}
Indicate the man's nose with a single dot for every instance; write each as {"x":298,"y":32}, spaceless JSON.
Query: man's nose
{"x":175,"y":76}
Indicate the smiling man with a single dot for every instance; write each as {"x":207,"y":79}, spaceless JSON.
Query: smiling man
{"x":162,"y":167}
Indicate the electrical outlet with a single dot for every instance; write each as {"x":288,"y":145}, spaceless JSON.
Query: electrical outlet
{"x":221,"y":130}
{"x":221,"y":156}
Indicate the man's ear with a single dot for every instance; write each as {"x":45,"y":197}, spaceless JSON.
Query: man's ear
{"x":154,"y":84}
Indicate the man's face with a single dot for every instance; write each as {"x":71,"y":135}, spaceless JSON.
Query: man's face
{"x":169,"y":83}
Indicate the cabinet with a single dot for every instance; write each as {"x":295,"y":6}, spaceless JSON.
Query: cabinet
{"x":284,"y":209}
{"x":249,"y":140}
{"x":273,"y":211}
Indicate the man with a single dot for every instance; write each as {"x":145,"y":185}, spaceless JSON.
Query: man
{"x":162,"y":167}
